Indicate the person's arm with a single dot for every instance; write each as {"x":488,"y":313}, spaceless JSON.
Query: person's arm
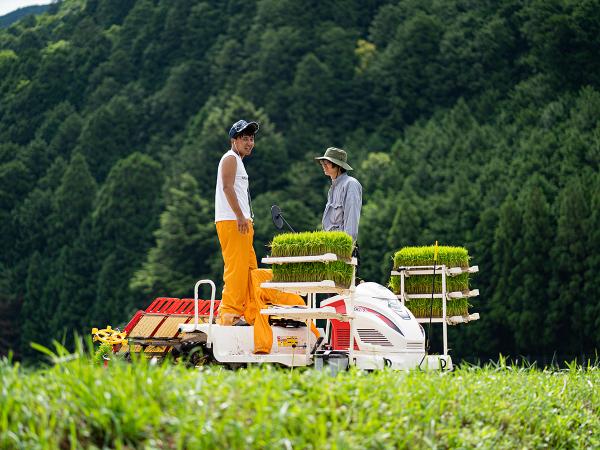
{"x":352,"y":207}
{"x":228,"y":170}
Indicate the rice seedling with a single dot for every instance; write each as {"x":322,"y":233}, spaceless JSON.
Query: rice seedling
{"x":77,"y":404}
{"x":312,"y":243}
{"x":423,"y":256}
{"x":422,"y":284}
{"x":338,"y":271}
{"x":424,"y":307}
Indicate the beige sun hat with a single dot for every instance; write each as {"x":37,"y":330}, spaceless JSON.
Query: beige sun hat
{"x":336,"y":156}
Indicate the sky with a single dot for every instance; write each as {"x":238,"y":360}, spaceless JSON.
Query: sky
{"x":7,"y":6}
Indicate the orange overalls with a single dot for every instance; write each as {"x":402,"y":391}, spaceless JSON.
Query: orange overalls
{"x":239,"y":259}
{"x":242,"y":294}
{"x":263,"y":336}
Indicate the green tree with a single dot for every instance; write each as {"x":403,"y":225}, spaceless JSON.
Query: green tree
{"x":505,"y":305}
{"x":186,"y":245}
{"x":37,"y":309}
{"x":77,"y":287}
{"x":531,"y":332}
{"x":312,"y":97}
{"x":563,"y":40}
{"x":124,"y":216}
{"x":590,"y":312}
{"x":10,"y":306}
{"x":109,"y":133}
{"x":207,"y":140}
{"x":566,"y":301}
{"x":73,"y":200}
{"x":15,"y":182}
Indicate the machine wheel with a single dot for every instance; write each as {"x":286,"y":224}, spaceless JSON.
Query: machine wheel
{"x":195,"y":354}
{"x":235,"y":366}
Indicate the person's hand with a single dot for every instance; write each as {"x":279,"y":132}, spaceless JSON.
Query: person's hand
{"x":242,"y":224}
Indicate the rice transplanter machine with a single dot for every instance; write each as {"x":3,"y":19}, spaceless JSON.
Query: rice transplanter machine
{"x":367,"y":325}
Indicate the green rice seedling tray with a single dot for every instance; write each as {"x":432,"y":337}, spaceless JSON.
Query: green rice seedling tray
{"x":312,"y":243}
{"x":337,"y":271}
{"x":423,"y":307}
{"x":423,"y":256}
{"x":422,"y":284}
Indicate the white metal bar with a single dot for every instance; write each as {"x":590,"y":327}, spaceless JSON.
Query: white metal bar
{"x":326,"y":312}
{"x":303,"y":288}
{"x":458,"y":294}
{"x":444,"y":299}
{"x":196,"y":303}
{"x":428,"y":270}
{"x":450,"y":295}
{"x":417,"y":270}
{"x":426,"y":319}
{"x":452,"y":320}
{"x":453,"y":271}
{"x":402,"y":293}
{"x":307,"y":349}
{"x":312,"y":303}
{"x":351,"y":316}
{"x":212,"y":308}
{"x":327,"y":257}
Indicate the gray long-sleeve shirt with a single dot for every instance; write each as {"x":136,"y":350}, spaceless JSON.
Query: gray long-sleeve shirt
{"x":344,"y":202}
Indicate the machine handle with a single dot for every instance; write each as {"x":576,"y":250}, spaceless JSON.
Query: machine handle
{"x":212,"y":308}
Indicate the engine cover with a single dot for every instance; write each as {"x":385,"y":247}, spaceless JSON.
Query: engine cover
{"x":382,"y":323}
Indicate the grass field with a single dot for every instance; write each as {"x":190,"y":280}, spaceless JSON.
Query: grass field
{"x":76,"y":404}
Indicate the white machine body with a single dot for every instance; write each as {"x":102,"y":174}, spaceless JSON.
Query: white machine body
{"x":386,"y":335}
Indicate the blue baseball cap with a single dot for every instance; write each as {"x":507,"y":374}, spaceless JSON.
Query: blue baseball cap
{"x":240,"y":126}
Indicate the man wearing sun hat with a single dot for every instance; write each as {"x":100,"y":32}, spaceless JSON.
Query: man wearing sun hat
{"x":344,"y":199}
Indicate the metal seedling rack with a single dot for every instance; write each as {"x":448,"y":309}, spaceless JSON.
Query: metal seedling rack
{"x":311,"y":289}
{"x":444,"y":272}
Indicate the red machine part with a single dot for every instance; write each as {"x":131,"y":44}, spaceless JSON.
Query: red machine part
{"x":167,"y":306}
{"x":340,"y":331}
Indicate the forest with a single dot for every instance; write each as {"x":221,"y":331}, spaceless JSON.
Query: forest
{"x":473,"y":123}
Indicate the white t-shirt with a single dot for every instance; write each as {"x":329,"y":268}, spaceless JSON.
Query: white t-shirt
{"x":223,"y":210}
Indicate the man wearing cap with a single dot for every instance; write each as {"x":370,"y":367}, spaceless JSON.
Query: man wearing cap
{"x":233,"y":218}
{"x":242,"y":292}
{"x":344,"y":199}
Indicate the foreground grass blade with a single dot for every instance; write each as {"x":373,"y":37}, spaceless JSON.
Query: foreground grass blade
{"x":81,"y":405}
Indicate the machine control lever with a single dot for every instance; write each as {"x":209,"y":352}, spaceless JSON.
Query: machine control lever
{"x":316,"y":346}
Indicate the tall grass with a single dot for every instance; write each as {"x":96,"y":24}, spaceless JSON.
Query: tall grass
{"x":77,"y":404}
{"x":312,"y":243}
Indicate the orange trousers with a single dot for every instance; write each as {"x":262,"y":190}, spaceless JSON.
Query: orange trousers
{"x":242,"y":294}
{"x":259,"y":299}
{"x":239,"y":259}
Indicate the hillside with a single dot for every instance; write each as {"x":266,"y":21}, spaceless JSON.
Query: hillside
{"x":470,"y":123}
{"x":10,"y":18}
